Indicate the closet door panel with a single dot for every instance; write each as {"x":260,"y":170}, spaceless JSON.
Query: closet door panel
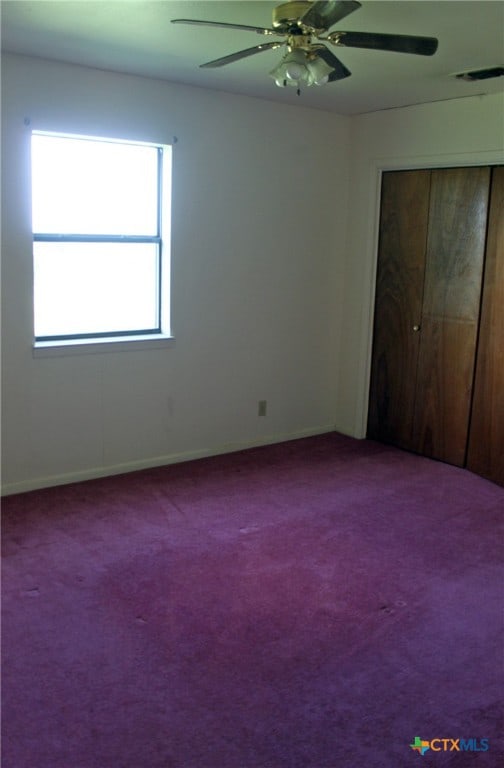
{"x":456,"y":243}
{"x":444,"y":384}
{"x":398,"y":307}
{"x":486,"y":439}
{"x":451,"y":305}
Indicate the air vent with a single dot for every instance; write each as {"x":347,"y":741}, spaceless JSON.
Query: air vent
{"x":482,"y":74}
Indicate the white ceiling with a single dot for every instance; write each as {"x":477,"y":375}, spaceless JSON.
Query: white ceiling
{"x":138,"y":38}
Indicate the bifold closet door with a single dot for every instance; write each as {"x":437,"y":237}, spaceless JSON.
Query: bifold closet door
{"x":398,"y":306}
{"x":428,"y":292}
{"x":486,"y":440}
{"x":455,"y":255}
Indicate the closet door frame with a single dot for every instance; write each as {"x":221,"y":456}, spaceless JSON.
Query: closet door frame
{"x":375,"y":170}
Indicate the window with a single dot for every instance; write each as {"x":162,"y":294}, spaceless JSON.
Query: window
{"x":100,"y":214}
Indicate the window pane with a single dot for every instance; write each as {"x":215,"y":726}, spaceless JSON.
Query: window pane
{"x":84,"y":186}
{"x":95,"y":287}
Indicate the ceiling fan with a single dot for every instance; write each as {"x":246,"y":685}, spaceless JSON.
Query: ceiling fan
{"x":308,"y":61}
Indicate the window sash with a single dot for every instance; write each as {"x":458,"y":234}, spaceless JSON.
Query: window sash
{"x":69,"y":280}
{"x":76,"y":179}
{"x":104,"y":238}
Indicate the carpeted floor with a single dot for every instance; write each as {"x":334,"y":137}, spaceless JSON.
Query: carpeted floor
{"x":316,"y":604}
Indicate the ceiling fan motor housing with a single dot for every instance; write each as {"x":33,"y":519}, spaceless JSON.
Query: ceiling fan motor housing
{"x":286,"y":15}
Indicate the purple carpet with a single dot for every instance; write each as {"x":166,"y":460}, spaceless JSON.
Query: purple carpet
{"x":315,"y":604}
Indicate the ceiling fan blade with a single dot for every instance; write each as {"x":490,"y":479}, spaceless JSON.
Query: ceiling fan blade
{"x":225,"y":25}
{"x":424,"y":46}
{"x":240,"y":55}
{"x":339,"y":71}
{"x":324,"y":13}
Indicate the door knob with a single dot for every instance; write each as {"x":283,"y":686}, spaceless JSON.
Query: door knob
{"x":416,"y":328}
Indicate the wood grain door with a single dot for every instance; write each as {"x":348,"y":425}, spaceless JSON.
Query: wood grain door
{"x":486,"y":437}
{"x":398,"y":306}
{"x":450,"y":313}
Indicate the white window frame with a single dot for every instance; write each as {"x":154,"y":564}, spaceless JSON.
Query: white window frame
{"x":159,"y":336}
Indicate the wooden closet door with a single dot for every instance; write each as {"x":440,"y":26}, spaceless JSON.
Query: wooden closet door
{"x":451,"y":306}
{"x":398,"y":307}
{"x":486,"y":437}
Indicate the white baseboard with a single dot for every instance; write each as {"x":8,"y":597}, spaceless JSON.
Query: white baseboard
{"x":94,"y":473}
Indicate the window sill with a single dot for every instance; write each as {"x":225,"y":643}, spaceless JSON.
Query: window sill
{"x":99,"y":346}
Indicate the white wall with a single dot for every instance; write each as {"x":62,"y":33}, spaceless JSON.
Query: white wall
{"x":274,"y":252}
{"x":260,"y":216}
{"x":467,"y":131}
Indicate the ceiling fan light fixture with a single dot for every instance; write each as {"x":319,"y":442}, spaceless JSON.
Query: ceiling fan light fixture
{"x":300,"y":67}
{"x":319,"y":71}
{"x":295,"y":72}
{"x":292,"y":69}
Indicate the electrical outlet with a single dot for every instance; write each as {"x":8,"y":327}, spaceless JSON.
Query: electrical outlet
{"x":261,"y":411}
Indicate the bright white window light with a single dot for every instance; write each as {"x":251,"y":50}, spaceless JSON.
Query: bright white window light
{"x":99,"y":216}
{"x":86,"y":186}
{"x":86,"y":289}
